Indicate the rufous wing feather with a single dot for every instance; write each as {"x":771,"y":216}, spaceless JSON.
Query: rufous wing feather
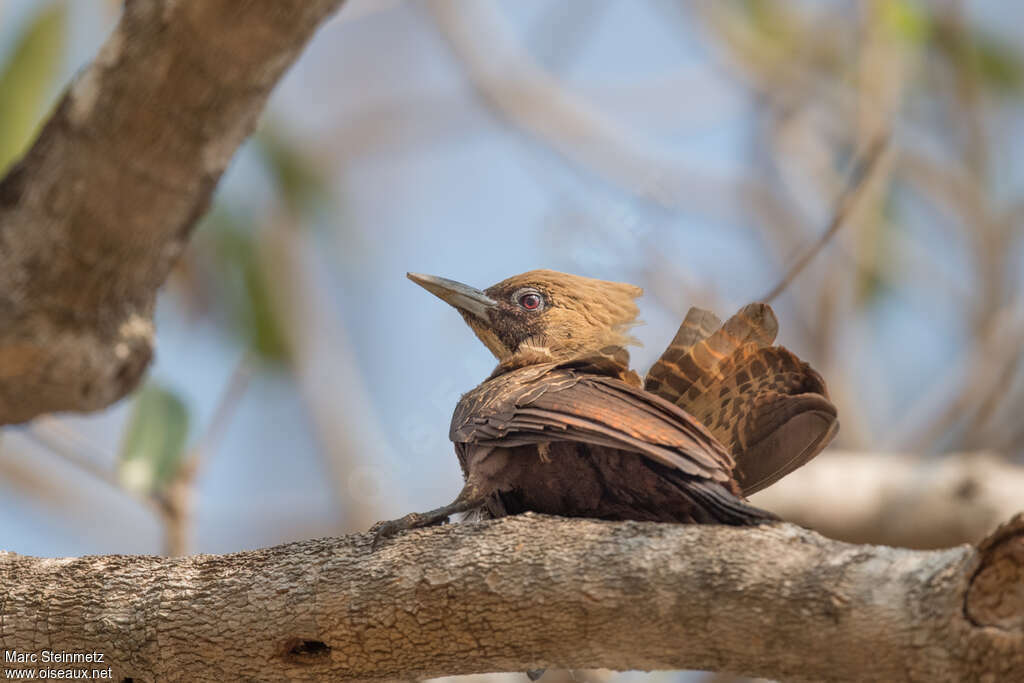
{"x":588,"y":402}
{"x":698,"y":325}
{"x":769,"y":409}
{"x":684,"y":366}
{"x":792,"y":430}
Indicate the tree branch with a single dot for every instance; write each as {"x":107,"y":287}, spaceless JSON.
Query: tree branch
{"x":95,"y":215}
{"x":530,"y":591}
{"x":899,"y":499}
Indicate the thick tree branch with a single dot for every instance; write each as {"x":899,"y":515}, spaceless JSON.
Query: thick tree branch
{"x":531,"y":591}
{"x":94,"y":216}
{"x":899,"y":499}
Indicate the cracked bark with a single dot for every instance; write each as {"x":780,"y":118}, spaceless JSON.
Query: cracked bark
{"x":531,"y":591}
{"x":98,"y":210}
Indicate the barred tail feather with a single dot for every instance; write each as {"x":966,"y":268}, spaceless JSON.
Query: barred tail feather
{"x":768,"y":408}
{"x":695,"y":356}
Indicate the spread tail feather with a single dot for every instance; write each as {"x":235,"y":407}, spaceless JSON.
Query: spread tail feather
{"x":698,"y":350}
{"x":768,"y":408}
{"x":788,"y":446}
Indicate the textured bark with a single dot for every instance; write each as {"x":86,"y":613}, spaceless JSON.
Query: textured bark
{"x":96,"y":213}
{"x":531,"y":591}
{"x":899,"y":499}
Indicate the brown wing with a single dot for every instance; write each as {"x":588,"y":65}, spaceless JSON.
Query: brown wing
{"x":769,"y":409}
{"x":695,"y":355}
{"x":698,"y":325}
{"x":792,"y":431}
{"x":570,"y":404}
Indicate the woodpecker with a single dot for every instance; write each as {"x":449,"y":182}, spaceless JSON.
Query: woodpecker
{"x":563,"y":426}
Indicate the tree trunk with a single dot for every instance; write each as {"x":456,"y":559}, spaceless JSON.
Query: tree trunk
{"x":98,"y":210}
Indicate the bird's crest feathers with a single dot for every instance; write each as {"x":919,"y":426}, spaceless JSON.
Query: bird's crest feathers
{"x":580,"y":314}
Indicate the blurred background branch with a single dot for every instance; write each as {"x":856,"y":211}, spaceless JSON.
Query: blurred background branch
{"x":898,"y":499}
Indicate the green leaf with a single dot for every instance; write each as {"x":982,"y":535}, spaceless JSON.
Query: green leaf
{"x":874,"y":246}
{"x":27,"y":79}
{"x":300,"y":183}
{"x":905,"y":20}
{"x":999,"y":65}
{"x":767,"y":17}
{"x":153,"y":445}
{"x":245,"y":286}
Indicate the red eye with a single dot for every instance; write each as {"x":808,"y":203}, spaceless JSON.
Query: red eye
{"x":530,"y":302}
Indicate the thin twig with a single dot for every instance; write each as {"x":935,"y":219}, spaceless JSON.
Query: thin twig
{"x":513,"y":85}
{"x":54,"y":436}
{"x":231,"y":396}
{"x":175,"y":500}
{"x":172,"y":503}
{"x":862,"y":172}
{"x":981,"y":372}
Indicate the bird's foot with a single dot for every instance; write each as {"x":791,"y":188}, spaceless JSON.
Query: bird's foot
{"x":413,"y":520}
{"x":468,"y":499}
{"x":416,"y":520}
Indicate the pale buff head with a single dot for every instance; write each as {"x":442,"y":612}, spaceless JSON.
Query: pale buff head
{"x":543,"y":313}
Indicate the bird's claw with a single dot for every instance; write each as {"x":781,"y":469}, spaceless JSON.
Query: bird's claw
{"x":414,"y":520}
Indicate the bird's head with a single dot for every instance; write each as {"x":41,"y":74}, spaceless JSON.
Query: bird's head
{"x":542,"y":315}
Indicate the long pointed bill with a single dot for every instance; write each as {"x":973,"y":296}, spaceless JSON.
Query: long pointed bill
{"x":462,"y":297}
